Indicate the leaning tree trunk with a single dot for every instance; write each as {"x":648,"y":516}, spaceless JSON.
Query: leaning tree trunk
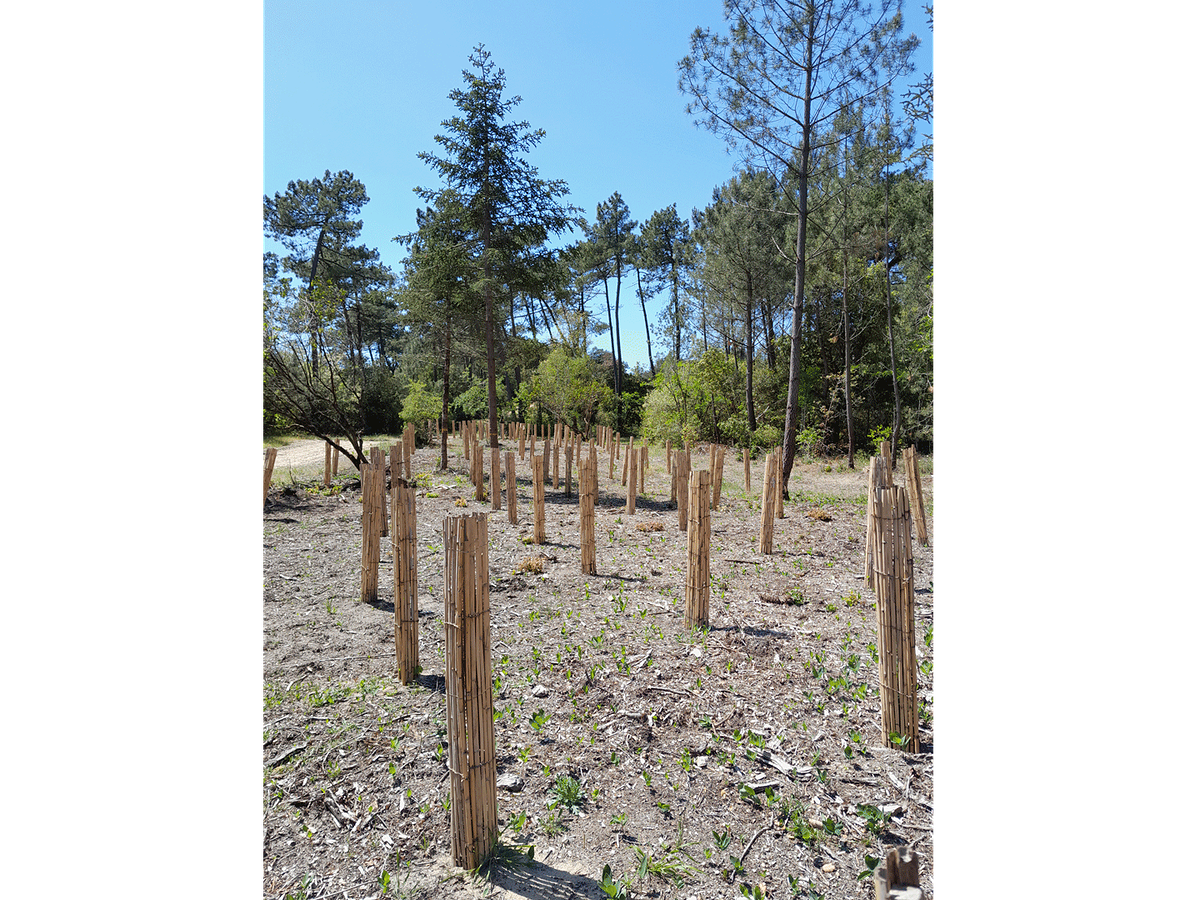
{"x":750,"y":356}
{"x":642,"y":297}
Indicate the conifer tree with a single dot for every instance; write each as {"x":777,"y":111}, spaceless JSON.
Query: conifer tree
{"x":509,"y":210}
{"x":784,"y":72}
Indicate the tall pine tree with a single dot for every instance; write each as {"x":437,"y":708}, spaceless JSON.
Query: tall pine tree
{"x":509,"y":209}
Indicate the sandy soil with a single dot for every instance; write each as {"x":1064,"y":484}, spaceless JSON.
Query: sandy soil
{"x":709,"y":763}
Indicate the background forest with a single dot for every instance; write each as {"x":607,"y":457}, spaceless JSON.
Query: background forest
{"x":799,"y":301}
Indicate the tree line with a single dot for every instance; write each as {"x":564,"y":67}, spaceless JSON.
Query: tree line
{"x":798,"y":303}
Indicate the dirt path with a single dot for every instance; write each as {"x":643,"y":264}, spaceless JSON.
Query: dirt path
{"x":302,"y":459}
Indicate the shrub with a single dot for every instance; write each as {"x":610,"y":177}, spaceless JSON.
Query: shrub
{"x":420,"y":406}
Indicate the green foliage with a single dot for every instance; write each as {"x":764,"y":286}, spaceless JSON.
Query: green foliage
{"x":567,"y":794}
{"x":878,"y":435}
{"x":615,"y":890}
{"x":808,"y":442}
{"x":473,"y":402}
{"x":420,"y":406}
{"x":568,"y":387}
{"x":767,"y":437}
{"x":676,"y":406}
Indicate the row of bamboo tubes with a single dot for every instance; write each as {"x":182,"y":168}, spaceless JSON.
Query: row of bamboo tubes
{"x":472,"y":756}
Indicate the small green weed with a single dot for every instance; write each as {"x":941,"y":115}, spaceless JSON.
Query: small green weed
{"x":566,"y":793}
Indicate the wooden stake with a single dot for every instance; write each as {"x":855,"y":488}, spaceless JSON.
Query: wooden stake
{"x":718,"y":477}
{"x":370,"y":533}
{"x":912,"y":474}
{"x":696,"y":587}
{"x":766,"y":533}
{"x":892,"y":524}
{"x":539,"y":500}
{"x":268,"y":469}
{"x":779,"y":482}
{"x":495,"y":478}
{"x":379,"y":496}
{"x":746,"y":466}
{"x":510,"y":483}
{"x":682,"y":472}
{"x":632,"y":481}
{"x":587,"y":514}
{"x":337,"y":454}
{"x":328,"y":463}
{"x":469,"y":727}
{"x":404,"y":556}
{"x":898,"y":875}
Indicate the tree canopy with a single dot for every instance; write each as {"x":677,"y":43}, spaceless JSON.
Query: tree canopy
{"x":796,"y":308}
{"x":508,"y":211}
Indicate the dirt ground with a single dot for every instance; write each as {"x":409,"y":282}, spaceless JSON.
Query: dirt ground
{"x":691,"y":764}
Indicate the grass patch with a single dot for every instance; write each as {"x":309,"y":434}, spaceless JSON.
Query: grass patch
{"x":532,"y":565}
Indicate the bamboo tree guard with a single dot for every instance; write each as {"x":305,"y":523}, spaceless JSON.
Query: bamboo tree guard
{"x":510,"y":484}
{"x":570,"y":453}
{"x":556,"y":452}
{"x":268,"y":469}
{"x":546,"y":460}
{"x":588,"y":489}
{"x":898,"y":875}
{"x":779,"y":482}
{"x":912,"y":474}
{"x":521,"y":445}
{"x":718,"y":477}
{"x":625,"y":467}
{"x":631,"y":491}
{"x":682,"y":471}
{"x":645,"y":464}
{"x":766,"y":532}
{"x":712,"y":458}
{"x":404,"y":563}
{"x":470,"y":730}
{"x":891,"y":522}
{"x":495,"y":477}
{"x":539,"y":500}
{"x":379,"y":490}
{"x":673,"y":476}
{"x":328,"y":463}
{"x":696,"y":588}
{"x":370,"y":534}
{"x":869,"y":544}
{"x":477,"y":469}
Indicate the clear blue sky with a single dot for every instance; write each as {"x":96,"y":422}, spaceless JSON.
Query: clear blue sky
{"x":365,"y":88}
